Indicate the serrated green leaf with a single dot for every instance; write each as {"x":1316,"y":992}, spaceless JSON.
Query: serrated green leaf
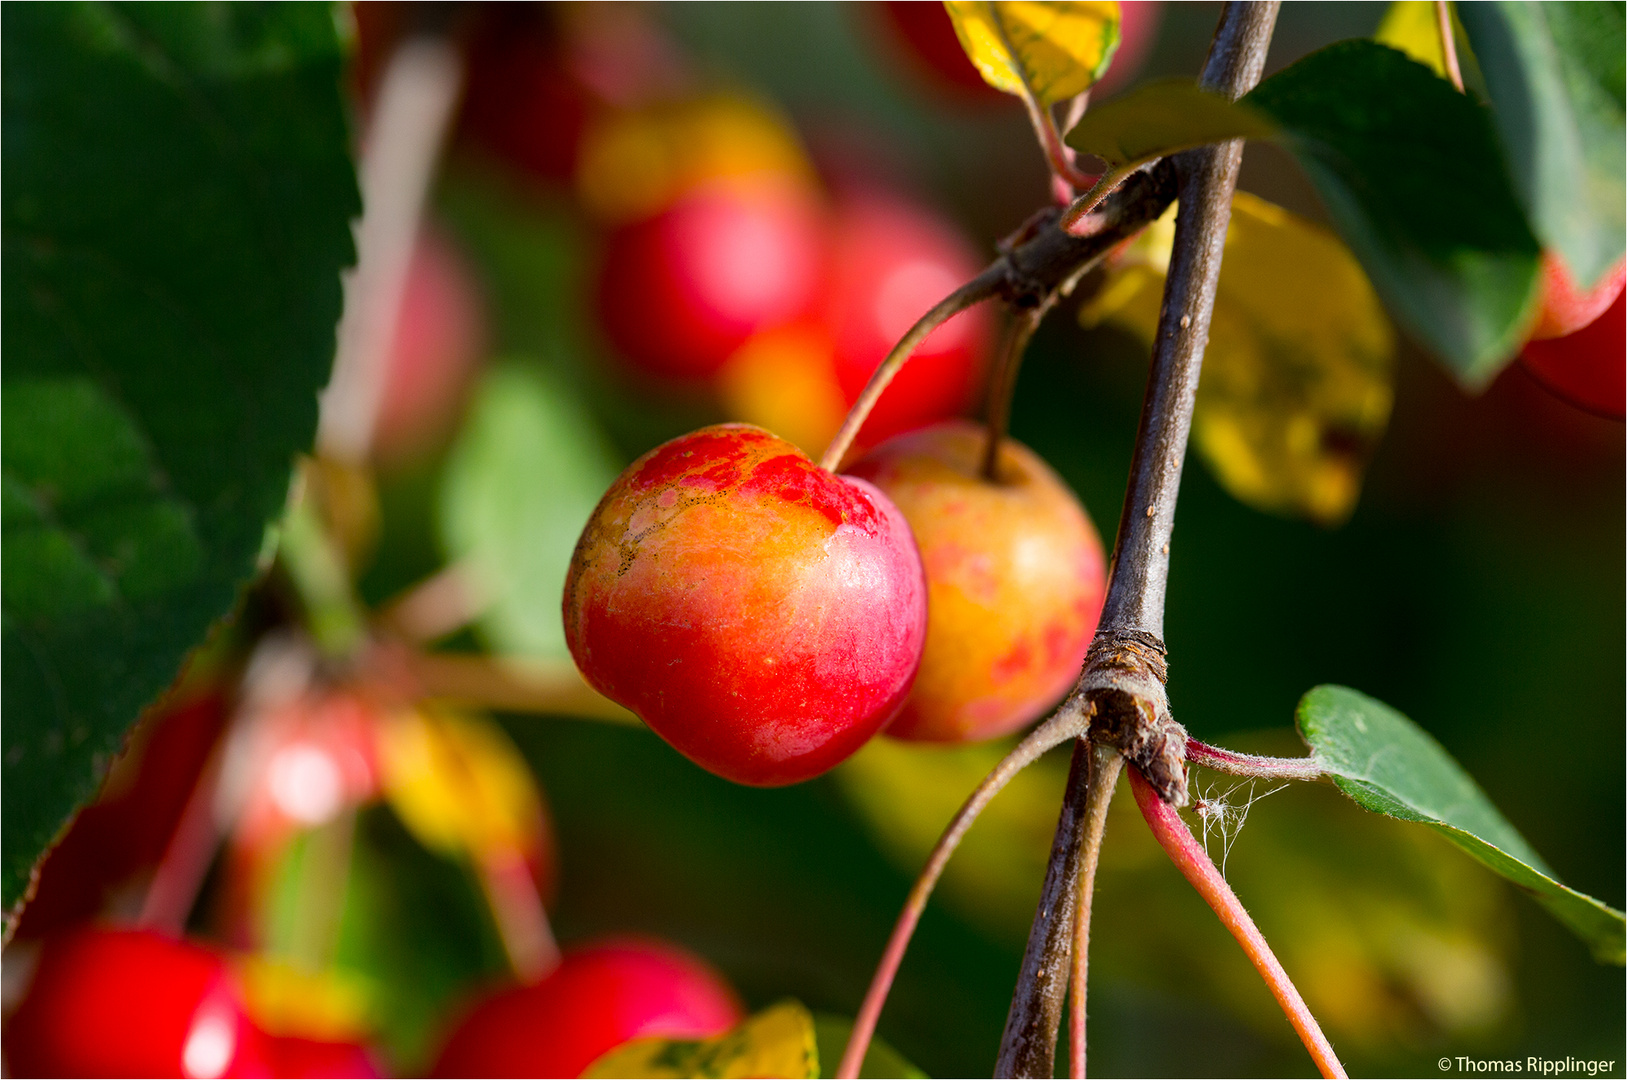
{"x":779,"y":1041}
{"x":1389,"y":765}
{"x":1058,"y":47}
{"x":178,"y":192}
{"x":1555,"y":72}
{"x":1412,"y":175}
{"x":522,"y":481}
{"x":1163,"y":117}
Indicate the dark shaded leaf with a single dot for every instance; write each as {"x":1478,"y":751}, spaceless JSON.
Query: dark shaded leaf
{"x":1413,"y":177}
{"x":1554,"y":72}
{"x":177,"y":200}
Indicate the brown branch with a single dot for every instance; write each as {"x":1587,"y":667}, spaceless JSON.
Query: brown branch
{"x":1105,"y":764}
{"x":1123,"y":674}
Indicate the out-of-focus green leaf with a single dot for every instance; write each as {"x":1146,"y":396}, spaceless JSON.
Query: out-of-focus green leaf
{"x":1059,"y":47}
{"x":1413,"y":177}
{"x":525,"y":475}
{"x":1389,"y":765}
{"x":1161,"y":118}
{"x":1555,"y":74}
{"x":880,"y":1060}
{"x":178,"y":191}
{"x":779,"y":1041}
{"x":1296,"y":385}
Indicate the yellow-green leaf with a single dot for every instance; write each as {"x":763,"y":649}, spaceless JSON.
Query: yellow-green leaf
{"x":1058,"y":49}
{"x":1297,"y":376}
{"x":1162,"y":118}
{"x":779,"y":1041}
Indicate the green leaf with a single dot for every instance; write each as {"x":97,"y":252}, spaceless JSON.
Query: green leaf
{"x":1555,"y":72}
{"x":1389,"y":765}
{"x":880,"y":1060}
{"x":779,"y":1041}
{"x":1160,"y":118}
{"x":1413,"y":178}
{"x":522,"y":481}
{"x":177,"y":197}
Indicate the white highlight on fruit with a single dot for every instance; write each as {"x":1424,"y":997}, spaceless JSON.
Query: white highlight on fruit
{"x":305,"y":783}
{"x":210,"y":1043}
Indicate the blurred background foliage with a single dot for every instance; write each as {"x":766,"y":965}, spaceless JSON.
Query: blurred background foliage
{"x":1478,"y":587}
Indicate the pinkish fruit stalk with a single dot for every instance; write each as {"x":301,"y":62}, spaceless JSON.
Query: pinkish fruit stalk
{"x":764,"y":616}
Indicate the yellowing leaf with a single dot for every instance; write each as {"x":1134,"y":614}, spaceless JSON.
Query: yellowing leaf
{"x":633,"y":162}
{"x":459,"y":785}
{"x":1061,"y":49}
{"x":779,"y":1041}
{"x":1296,"y":386}
{"x":1409,"y":25}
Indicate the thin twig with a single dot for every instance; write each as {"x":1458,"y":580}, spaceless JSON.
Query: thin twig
{"x":192,"y":847}
{"x":1062,"y":725}
{"x":1449,"y":44}
{"x":1136,"y":590}
{"x":1004,"y":383}
{"x":973,"y":292}
{"x":1105,"y":765}
{"x":1193,"y":862}
{"x":507,"y":685}
{"x":1230,"y":761}
{"x":439,"y":605}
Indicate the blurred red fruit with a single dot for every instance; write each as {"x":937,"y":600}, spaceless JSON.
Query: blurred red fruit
{"x":892,"y":262}
{"x":129,"y":826}
{"x":598,"y":998}
{"x":1589,"y":367}
{"x":439,"y":336}
{"x":294,"y":1058}
{"x":1566,"y":308}
{"x":682,"y":290}
{"x":131,"y":1003}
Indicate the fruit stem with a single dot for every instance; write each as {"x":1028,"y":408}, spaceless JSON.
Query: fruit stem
{"x":521,"y":917}
{"x":1136,"y":589}
{"x":503,"y":685}
{"x":410,"y":122}
{"x":1193,"y":862}
{"x":1105,"y":766}
{"x":1230,"y":761}
{"x":191,"y":848}
{"x":1449,"y":45}
{"x":1066,"y":723}
{"x":1004,"y":383}
{"x":434,"y":608}
{"x":975,"y":291}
